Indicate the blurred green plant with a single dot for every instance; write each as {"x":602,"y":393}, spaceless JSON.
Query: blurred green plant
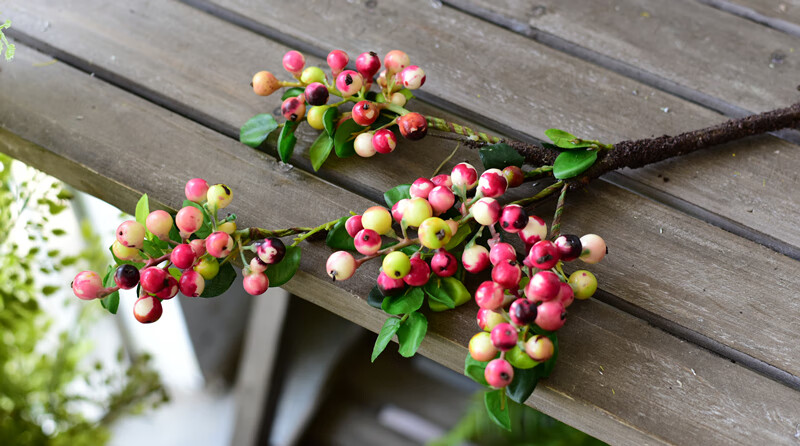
{"x":9,"y":47}
{"x":529,"y":427}
{"x":48,"y":392}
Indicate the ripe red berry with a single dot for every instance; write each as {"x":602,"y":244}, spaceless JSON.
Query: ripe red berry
{"x":514,"y":176}
{"x":420,"y":273}
{"x":337,"y":60}
{"x":421,"y":187}
{"x":475,"y":259}
{"x":522,"y":312}
{"x":191,"y":283}
{"x":294,"y":62}
{"x":368,"y":242}
{"x":502,"y":252}
{"x":569,"y":247}
{"x":492,"y":183}
{"x":544,"y":286}
{"x":486,"y":211}
{"x":348,"y":83}
{"x":465,"y":176}
{"x":504,"y":336}
{"x":543,"y":255}
{"x":219,"y":244}
{"x":353,"y":225}
{"x":365,"y":113}
{"x":443,"y":180}
{"x":514,"y":218}
{"x":507,"y":274}
{"x":413,"y":126}
{"x":87,"y":285}
{"x":565,"y":295}
{"x":399,"y":209}
{"x":153,"y":279}
{"x":551,"y":315}
{"x":368,"y":64}
{"x":389,"y":286}
{"x":183,"y":256}
{"x":170,"y":290}
{"x":499,"y":373}
{"x":316,"y":93}
{"x":147,"y":309}
{"x":441,"y":199}
{"x":196,"y":190}
{"x":256,"y":284}
{"x":384,"y":141}
{"x":444,"y":264}
{"x":294,"y":109}
{"x":126,"y":276}
{"x":489,"y":295}
{"x":198,"y":247}
{"x":271,"y":250}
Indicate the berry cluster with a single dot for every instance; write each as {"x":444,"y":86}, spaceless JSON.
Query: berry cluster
{"x":188,"y":252}
{"x":367,"y":127}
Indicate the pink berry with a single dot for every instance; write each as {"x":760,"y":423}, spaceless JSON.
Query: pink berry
{"x":159,"y":223}
{"x":170,"y":290}
{"x":522,"y":312}
{"x":419,"y":274}
{"x":198,"y":247}
{"x":192,"y":283}
{"x":294,"y":62}
{"x":499,"y":373}
{"x":569,"y":247}
{"x":368,"y":242}
{"x":257,"y":266}
{"x":540,"y":348}
{"x":147,"y":309}
{"x":507,"y":274}
{"x":337,"y":60}
{"x":87,"y":285}
{"x":441,"y":199}
{"x":348,"y":83}
{"x":365,"y":113}
{"x":189,"y":219}
{"x":341,"y":265}
{"x":465,"y":176}
{"x":196,"y":190}
{"x":413,"y":126}
{"x":544,"y":286}
{"x":481,"y":347}
{"x":514,"y":176}
{"x":316,"y":93}
{"x":475,"y":259}
{"x":486,"y":211}
{"x":130,"y":234}
{"x":489,"y":295}
{"x":488,"y":319}
{"x":543,"y":255}
{"x":492,"y":183}
{"x":444,"y":264}
{"x":395,"y":61}
{"x":384,"y":141}
{"x":219,"y":244}
{"x":412,"y":77}
{"x":534,"y":231}
{"x":271,"y":250}
{"x":294,"y":109}
{"x":551,"y":315}
{"x":256,"y":284}
{"x":514,"y":218}
{"x":421,"y":187}
{"x":153,"y":279}
{"x":390,"y":286}
{"x":504,"y":336}
{"x":594,"y":248}
{"x":353,"y":225}
{"x":399,"y":209}
{"x":368,"y":64}
{"x":442,"y":180}
{"x":566,"y":295}
{"x":183,"y":256}
{"x":502,"y":252}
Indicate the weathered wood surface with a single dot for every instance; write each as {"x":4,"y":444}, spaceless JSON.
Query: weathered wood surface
{"x":780,"y":14}
{"x":679,"y":293}
{"x":524,"y":87}
{"x":127,"y":145}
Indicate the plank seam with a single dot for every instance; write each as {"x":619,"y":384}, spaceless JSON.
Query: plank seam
{"x":750,"y":14}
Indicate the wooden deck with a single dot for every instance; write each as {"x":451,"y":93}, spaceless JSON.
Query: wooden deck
{"x":693,"y":338}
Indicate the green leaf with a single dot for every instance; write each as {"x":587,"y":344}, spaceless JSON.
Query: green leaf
{"x":221,"y":282}
{"x":283,"y":271}
{"x":411,"y":333}
{"x":573,"y":163}
{"x":256,"y":130}
{"x":405,"y":303}
{"x":286,"y":141}
{"x":142,"y":209}
{"x":438,"y":294}
{"x":379,"y":98}
{"x":456,"y":289}
{"x":151,"y":249}
{"x":338,"y":238}
{"x":375,"y":298}
{"x":49,"y":289}
{"x":463,"y":232}
{"x":58,"y":232}
{"x":329,"y":120}
{"x":343,"y":138}
{"x":497,"y":407}
{"x":292,"y":93}
{"x":385,"y":336}
{"x":110,"y":302}
{"x":565,"y":140}
{"x":500,"y":155}
{"x":320,"y":150}
{"x":396,"y":194}
{"x":476,"y":370}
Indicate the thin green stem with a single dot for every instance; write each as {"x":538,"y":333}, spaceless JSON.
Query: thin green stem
{"x":538,"y":172}
{"x":323,"y":227}
{"x":451,"y":127}
{"x":444,"y":161}
{"x":555,"y":229}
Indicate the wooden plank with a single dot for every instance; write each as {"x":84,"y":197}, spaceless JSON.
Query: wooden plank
{"x":781,"y":14}
{"x":127,"y":145}
{"x":532,"y":87}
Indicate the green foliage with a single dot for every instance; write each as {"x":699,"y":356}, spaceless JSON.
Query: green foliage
{"x":498,"y":156}
{"x":320,"y":150}
{"x":497,"y":408}
{"x":405,"y":303}
{"x":396,"y":194}
{"x":256,"y":129}
{"x":385,"y":336}
{"x":566,"y":140}
{"x":9,"y":48}
{"x":286,"y":141}
{"x":344,"y":136}
{"x":221,"y":282}
{"x":573,"y":163}
{"x":339,"y":239}
{"x":282,"y":272}
{"x":39,"y":403}
{"x":411,"y":333}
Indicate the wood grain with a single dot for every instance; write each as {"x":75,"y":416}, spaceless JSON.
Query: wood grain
{"x":783,"y":10}
{"x":131,"y":146}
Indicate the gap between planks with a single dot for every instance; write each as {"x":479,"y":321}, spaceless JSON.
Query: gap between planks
{"x":754,"y":16}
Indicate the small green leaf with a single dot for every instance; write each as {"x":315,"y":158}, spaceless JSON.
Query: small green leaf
{"x":411,"y":333}
{"x":292,"y":93}
{"x":343,"y":138}
{"x":497,"y":407}
{"x":573,"y":163}
{"x":338,"y":238}
{"x":329,"y":120}
{"x":498,"y":156}
{"x":405,"y":303}
{"x":142,"y":209}
{"x":256,"y":130}
{"x":111,"y":302}
{"x":456,"y":289}
{"x":320,"y":150}
{"x":49,"y":289}
{"x":565,"y":140}
{"x":151,"y":249}
{"x":438,"y":294}
{"x":286,"y":141}
{"x":59,"y":232}
{"x":221,"y":282}
{"x":283,"y":271}
{"x":385,"y":336}
{"x":476,"y":370}
{"x":463,"y":232}
{"x":396,"y":194}
{"x":375,"y":297}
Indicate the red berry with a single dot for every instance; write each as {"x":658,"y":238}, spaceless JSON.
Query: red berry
{"x":389,"y":286}
{"x":514,"y":218}
{"x":499,"y":373}
{"x":514,"y":176}
{"x":489,"y":295}
{"x":316,"y":93}
{"x":191,"y":283}
{"x":294,"y":109}
{"x":413,"y":126}
{"x":353,"y":225}
{"x":256,"y":284}
{"x":421,"y":187}
{"x":271,"y":250}
{"x":183,"y":256}
{"x":419,"y":274}
{"x":219,"y":244}
{"x":544,"y":286}
{"x":444,"y":264}
{"x":87,"y":285}
{"x":522,"y":312}
{"x":160,"y":223}
{"x":196,"y":190}
{"x":348,"y":83}
{"x":399,"y":209}
{"x":198,"y":247}
{"x":153,"y":279}
{"x":126,"y":276}
{"x":365,"y":113}
{"x":569,"y":247}
{"x":475,"y":259}
{"x":504,"y":336}
{"x":368,"y":242}
{"x":189,"y":219}
{"x":294,"y":62}
{"x":486,"y":211}
{"x":147,"y":309}
{"x":170,"y":290}
{"x":492,"y":183}
{"x":337,"y":60}
{"x":441,"y":199}
{"x":551,"y":315}
{"x":443,"y":180}
{"x":464,"y":175}
{"x":502,"y":252}
{"x":566,"y":295}
{"x":507,"y":274}
{"x":384,"y":141}
{"x":534,"y":231}
{"x":368,"y":64}
{"x":543,"y":255}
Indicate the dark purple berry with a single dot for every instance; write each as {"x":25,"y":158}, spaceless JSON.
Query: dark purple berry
{"x":126,"y":276}
{"x":569,"y":247}
{"x":316,"y":94}
{"x":271,"y":250}
{"x":522,"y":312}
